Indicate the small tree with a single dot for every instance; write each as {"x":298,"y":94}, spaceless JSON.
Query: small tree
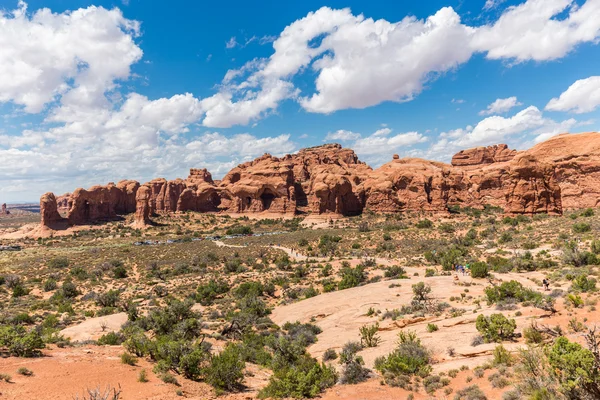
{"x":369,"y":336}
{"x":496,"y":327}
{"x":421,"y":292}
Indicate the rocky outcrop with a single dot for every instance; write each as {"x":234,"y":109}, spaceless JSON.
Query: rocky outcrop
{"x":4,"y":210}
{"x":483,"y":155}
{"x":416,"y":184}
{"x":48,"y":211}
{"x":575,"y":159}
{"x":561,"y":173}
{"x":531,"y":187}
{"x":142,"y":210}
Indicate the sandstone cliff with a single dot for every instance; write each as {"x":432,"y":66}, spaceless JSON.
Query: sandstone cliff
{"x":562,"y":172}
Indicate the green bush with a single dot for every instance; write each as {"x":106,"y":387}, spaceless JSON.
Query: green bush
{"x":49,"y":285}
{"x":19,"y":342}
{"x":305,"y":379}
{"x":510,"y":290}
{"x":225,"y":370}
{"x":575,"y":368}
{"x":479,"y":270}
{"x":424,"y":224}
{"x":581,"y":227}
{"x":58,"y":262}
{"x":111,"y":339}
{"x":369,"y":336}
{"x":495,"y":328}
{"x":239,"y":230}
{"x":207,"y":293}
{"x":352,"y":277}
{"x":409,"y":358}
{"x":584,"y":284}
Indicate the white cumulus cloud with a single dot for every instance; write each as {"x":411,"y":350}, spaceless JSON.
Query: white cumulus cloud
{"x":583,"y":96}
{"x":500,"y":106}
{"x":342,"y":135}
{"x":78,"y":55}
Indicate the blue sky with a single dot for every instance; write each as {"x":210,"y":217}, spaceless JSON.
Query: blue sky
{"x":98,"y":91}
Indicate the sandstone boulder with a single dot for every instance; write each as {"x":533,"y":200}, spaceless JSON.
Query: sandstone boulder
{"x":483,"y":155}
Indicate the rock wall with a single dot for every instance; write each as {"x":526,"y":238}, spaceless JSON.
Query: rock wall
{"x":561,"y":172}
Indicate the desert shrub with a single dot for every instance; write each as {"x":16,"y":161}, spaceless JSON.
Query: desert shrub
{"x":58,"y":262}
{"x":128,"y":359}
{"x":432,"y":328}
{"x":119,"y":272}
{"x":532,"y":335}
{"x":233,"y":266}
{"x":581,"y":227}
{"x":329,"y":354}
{"x":499,"y":264}
{"x":143,"y":376}
{"x":588,"y":212}
{"x":429,"y":272}
{"x":306,"y":378}
{"x":49,"y":285}
{"x":111,"y":339}
{"x":502,"y":356}
{"x":25,"y":371}
{"x":409,"y":358}
{"x":421,"y":292}
{"x":595,"y":246}
{"x":353,"y":371}
{"x":69,"y":290}
{"x":328,"y":244}
{"x":352,"y":277}
{"x":505,"y":237}
{"x":583,"y":284}
{"x":369,"y":336}
{"x":225,"y":370}
{"x":510,"y":290}
{"x":446,"y":228}
{"x":479,"y":270}
{"x":108,"y":299}
{"x":239,"y":230}
{"x":208,"y":292}
{"x":19,"y":342}
{"x":575,"y":300}
{"x":496,"y":327}
{"x":472,"y":392}
{"x":575,"y":368}
{"x":424,"y":224}
{"x":395,"y":272}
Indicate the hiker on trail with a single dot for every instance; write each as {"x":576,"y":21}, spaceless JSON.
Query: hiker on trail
{"x":546,"y":284}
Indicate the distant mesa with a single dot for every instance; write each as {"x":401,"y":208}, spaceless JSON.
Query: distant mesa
{"x":561,"y":173}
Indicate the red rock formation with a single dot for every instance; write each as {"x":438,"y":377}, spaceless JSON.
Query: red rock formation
{"x":142,"y":212}
{"x":416,"y":184}
{"x":4,"y":210}
{"x":199,"y":176}
{"x":48,"y":211}
{"x":576,"y":162}
{"x":531,"y":187}
{"x":483,"y":155}
{"x":562,"y":172}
